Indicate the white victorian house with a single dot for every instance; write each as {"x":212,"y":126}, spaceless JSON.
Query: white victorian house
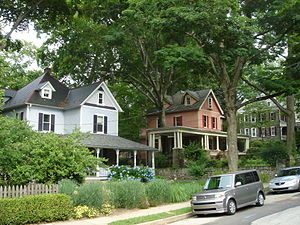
{"x":50,"y":106}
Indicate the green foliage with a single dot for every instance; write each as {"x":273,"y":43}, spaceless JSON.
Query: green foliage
{"x":144,"y":174}
{"x":107,"y":209}
{"x":265,"y":177}
{"x":35,"y":209}
{"x":127,"y":194}
{"x":252,"y":162}
{"x":27,"y":156}
{"x":84,"y":211}
{"x":274,"y":152}
{"x":161,"y":160}
{"x":67,"y":186}
{"x":158,"y":191}
{"x":183,"y":191}
{"x":197,"y":160}
{"x":89,"y":194}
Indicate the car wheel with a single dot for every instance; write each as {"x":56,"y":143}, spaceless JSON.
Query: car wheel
{"x":231,"y":207}
{"x":260,"y":199}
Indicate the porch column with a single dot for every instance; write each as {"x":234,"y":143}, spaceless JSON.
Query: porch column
{"x":153,"y":162}
{"x":206,"y":142}
{"x":151,"y":140}
{"x":247,"y":145}
{"x":117,"y":153}
{"x":175,"y":140}
{"x":134,"y":158}
{"x":179,"y":138}
{"x":98,"y":168}
{"x":203,"y":142}
{"x":226,"y":143}
{"x":218,"y":143}
{"x":159,"y":144}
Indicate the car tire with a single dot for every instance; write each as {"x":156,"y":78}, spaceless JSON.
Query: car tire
{"x":231,"y":207}
{"x":260,"y":199}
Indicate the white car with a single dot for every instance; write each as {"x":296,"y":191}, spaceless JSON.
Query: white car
{"x":287,"y":179}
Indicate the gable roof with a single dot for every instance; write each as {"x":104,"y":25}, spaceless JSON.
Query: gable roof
{"x":177,"y":101}
{"x":62,"y":97}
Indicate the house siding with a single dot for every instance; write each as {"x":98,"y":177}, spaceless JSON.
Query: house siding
{"x":33,"y":117}
{"x":72,"y":120}
{"x":88,"y":119}
{"x":107,"y":101}
{"x":15,"y":111}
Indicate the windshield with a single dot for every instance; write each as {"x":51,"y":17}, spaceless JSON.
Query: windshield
{"x":218,"y":182}
{"x":289,"y":172}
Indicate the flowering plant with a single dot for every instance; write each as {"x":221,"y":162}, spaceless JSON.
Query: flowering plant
{"x":143,"y":174}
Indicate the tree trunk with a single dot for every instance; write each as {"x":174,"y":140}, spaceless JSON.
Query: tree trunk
{"x":162,"y":117}
{"x":290,"y":138}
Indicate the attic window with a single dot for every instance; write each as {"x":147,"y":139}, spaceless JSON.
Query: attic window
{"x":187,"y":100}
{"x":46,"y":93}
{"x":209,"y":102}
{"x":100,"y":98}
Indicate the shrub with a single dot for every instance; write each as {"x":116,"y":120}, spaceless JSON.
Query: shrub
{"x":144,"y":174}
{"x":158,"y":191}
{"x":161,"y":160}
{"x":127,"y":193}
{"x":67,"y":187}
{"x":265,"y":177}
{"x":35,"y":209}
{"x":89,"y":194}
{"x":84,"y":211}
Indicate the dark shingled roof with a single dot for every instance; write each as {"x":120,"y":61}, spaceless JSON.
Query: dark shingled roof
{"x":114,"y":142}
{"x":177,"y":104}
{"x":62,"y":97}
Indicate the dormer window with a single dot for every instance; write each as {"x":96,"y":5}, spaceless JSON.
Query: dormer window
{"x":100,"y":98}
{"x":47,"y":93}
{"x":187,"y":100}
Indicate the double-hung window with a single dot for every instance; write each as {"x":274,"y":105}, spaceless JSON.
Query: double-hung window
{"x":205,"y":121}
{"x":100,"y":124}
{"x":209,"y":102}
{"x":253,"y":132}
{"x":214,"y":122}
{"x":178,"y":121}
{"x":46,"y":122}
{"x":100,"y":98}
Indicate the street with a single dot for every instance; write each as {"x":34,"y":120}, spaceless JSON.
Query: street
{"x":279,"y":209}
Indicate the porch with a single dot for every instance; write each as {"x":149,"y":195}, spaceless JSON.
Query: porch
{"x":171,"y":140}
{"x":118,"y":151}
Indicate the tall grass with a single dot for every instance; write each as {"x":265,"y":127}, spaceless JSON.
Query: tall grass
{"x":127,"y":194}
{"x":67,"y":187}
{"x":183,"y":191}
{"x":158,"y":191}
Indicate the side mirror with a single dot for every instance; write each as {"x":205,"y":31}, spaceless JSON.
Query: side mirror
{"x":238,"y":184}
{"x":276,"y":175}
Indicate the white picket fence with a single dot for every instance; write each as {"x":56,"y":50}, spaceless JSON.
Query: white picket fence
{"x":30,"y":189}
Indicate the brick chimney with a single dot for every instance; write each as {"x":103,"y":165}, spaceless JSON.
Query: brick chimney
{"x":47,"y":71}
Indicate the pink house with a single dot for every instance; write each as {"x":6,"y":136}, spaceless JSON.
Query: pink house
{"x":190,"y":116}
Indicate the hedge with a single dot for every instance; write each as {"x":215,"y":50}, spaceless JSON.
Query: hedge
{"x":35,"y":209}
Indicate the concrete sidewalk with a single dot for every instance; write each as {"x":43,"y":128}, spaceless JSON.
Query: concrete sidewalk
{"x":126,"y":214}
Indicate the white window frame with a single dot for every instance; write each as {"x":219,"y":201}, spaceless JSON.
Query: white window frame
{"x":49,"y":93}
{"x":100,"y":132}
{"x":176,"y":120}
{"x":247,"y":131}
{"x":102,"y":98}
{"x":273,"y":131}
{"x":214,"y":122}
{"x":241,"y":131}
{"x":253,"y":132}
{"x":205,"y":125}
{"x":263,"y":132}
{"x":272,"y":119}
{"x":209,"y":102}
{"x":246,"y":118}
{"x":43,"y":122}
{"x":253,"y":119}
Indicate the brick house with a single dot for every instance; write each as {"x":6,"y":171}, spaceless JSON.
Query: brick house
{"x":191,"y":116}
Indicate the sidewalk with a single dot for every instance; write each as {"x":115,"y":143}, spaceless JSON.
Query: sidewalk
{"x":124,"y":214}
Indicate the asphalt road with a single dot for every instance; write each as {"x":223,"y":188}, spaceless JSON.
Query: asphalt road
{"x":279,"y":209}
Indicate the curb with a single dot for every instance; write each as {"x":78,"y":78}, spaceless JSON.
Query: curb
{"x":171,"y":219}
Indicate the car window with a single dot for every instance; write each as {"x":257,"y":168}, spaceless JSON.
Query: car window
{"x":255,"y":176}
{"x":218,"y":182}
{"x":249,"y":178}
{"x":289,"y":172}
{"x":240,"y":178}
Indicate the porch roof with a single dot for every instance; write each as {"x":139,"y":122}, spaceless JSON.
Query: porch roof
{"x":114,"y":142}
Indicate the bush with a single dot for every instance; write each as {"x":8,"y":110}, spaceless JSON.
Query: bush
{"x":161,"y":160}
{"x":144,"y":174}
{"x":67,"y":187}
{"x":274,"y":152}
{"x":265,"y":177}
{"x":35,"y":209}
{"x":107,"y":209}
{"x":90,"y":194}
{"x":127,"y":193}
{"x":158,"y":191}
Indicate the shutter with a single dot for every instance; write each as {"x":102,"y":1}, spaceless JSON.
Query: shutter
{"x":52,"y":122}
{"x":105,"y":124}
{"x":22,"y":116}
{"x":95,"y":124}
{"x":40,"y":125}
{"x":174,"y":121}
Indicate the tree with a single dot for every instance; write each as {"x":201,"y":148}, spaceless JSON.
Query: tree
{"x":27,"y":156}
{"x":16,"y":67}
